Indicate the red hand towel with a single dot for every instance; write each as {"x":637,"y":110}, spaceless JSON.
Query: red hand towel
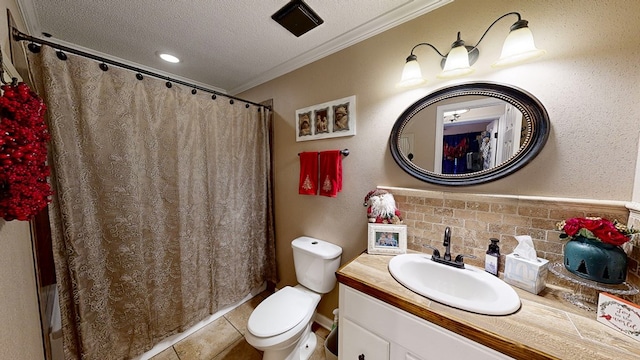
{"x":308,"y":173}
{"x":330,"y":173}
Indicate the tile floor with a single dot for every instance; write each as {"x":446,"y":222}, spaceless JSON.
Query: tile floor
{"x":224,"y":339}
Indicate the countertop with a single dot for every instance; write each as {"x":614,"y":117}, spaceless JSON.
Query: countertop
{"x":545,"y":327}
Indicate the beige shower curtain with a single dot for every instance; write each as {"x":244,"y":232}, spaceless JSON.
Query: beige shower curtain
{"x":162,"y":210}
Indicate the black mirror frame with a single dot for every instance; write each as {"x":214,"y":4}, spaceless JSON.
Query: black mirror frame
{"x":533,"y":113}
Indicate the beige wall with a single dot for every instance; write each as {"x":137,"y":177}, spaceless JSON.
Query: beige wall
{"x":590,"y":92}
{"x":476,"y":218}
{"x":580,"y":82}
{"x":20,"y":335}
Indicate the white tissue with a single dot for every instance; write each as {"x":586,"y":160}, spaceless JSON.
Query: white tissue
{"x":525,"y":248}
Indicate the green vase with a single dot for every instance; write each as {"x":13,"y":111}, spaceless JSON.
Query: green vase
{"x":594,"y":260}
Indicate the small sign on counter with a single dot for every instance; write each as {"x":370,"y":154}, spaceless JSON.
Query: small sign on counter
{"x":619,"y":314}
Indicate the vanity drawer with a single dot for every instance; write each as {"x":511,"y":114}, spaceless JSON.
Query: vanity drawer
{"x":363,"y":344}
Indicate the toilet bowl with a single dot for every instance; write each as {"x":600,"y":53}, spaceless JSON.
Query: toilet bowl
{"x":280,"y":326}
{"x":282,"y":323}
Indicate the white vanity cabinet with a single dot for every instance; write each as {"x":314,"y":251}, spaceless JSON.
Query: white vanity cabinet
{"x":373,"y":330}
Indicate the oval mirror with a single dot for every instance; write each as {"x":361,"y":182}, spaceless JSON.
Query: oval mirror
{"x":469,"y":134}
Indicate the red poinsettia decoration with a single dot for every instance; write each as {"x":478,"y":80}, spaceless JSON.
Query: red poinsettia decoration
{"x":610,"y":232}
{"x":24,"y":190}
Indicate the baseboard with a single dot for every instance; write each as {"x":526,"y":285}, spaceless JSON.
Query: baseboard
{"x":323,"y":321}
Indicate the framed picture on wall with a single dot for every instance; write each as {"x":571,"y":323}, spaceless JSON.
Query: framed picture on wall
{"x":387,"y":239}
{"x":304,"y":124}
{"x":327,"y":120}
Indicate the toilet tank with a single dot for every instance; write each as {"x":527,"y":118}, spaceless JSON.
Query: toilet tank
{"x":316,"y":262}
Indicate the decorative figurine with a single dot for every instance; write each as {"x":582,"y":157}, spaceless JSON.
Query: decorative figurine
{"x":382,"y":207}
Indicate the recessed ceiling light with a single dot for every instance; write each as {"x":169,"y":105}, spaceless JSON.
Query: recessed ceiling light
{"x":169,"y":58}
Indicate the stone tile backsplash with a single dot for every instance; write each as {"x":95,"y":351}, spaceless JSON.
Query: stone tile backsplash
{"x":475,"y":218}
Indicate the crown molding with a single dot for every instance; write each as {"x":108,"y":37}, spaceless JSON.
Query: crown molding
{"x":409,"y":11}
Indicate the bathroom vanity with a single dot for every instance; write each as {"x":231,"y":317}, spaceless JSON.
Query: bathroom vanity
{"x":381,"y":319}
{"x":379,"y":331}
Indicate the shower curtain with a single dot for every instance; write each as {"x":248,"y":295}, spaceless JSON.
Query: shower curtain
{"x":162,"y":212}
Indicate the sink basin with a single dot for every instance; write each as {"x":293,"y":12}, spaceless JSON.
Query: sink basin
{"x":471,"y":289}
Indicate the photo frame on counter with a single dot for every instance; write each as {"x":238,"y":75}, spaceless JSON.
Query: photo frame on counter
{"x":387,"y":239}
{"x":327,"y":120}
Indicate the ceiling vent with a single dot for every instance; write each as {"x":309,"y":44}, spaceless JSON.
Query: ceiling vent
{"x":297,"y":17}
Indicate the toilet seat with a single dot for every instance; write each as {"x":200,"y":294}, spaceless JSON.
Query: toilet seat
{"x":280,"y":312}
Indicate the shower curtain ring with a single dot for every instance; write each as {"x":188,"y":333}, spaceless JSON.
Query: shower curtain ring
{"x":34,"y":48}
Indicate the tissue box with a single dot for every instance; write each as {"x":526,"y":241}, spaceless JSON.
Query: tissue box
{"x":526,"y":274}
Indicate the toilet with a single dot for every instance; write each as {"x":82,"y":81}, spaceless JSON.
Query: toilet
{"x":281,"y":325}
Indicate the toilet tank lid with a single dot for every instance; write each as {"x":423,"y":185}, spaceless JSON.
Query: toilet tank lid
{"x":320,"y":248}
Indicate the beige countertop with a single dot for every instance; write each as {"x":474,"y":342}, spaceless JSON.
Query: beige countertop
{"x":545,"y":327}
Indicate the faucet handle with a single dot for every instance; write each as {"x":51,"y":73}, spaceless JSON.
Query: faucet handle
{"x":436,"y":252}
{"x":460,"y":257}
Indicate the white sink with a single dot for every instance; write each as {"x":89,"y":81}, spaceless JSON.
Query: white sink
{"x":471,"y":289}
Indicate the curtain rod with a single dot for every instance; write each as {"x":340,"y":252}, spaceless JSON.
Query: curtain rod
{"x":20,"y":36}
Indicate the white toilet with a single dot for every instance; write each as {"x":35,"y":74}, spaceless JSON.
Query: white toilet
{"x":281,"y":325}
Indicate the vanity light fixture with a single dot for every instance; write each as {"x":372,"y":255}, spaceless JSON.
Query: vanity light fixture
{"x":169,"y":58}
{"x":518,"y":47}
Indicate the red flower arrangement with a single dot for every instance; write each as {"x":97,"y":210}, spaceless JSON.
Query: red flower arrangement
{"x":614,"y":233}
{"x":24,"y":190}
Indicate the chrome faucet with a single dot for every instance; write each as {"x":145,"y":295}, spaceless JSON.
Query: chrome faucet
{"x":446,"y":258}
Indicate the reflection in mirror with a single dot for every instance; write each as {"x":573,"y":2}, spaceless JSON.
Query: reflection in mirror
{"x":469,"y":133}
{"x":465,"y":135}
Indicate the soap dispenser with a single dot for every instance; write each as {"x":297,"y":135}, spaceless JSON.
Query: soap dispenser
{"x":492,"y":256}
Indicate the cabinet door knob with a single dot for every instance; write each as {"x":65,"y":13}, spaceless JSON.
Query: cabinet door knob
{"x":361,"y":357}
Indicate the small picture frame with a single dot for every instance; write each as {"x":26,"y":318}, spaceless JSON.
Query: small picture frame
{"x":327,"y":120}
{"x":387,"y":239}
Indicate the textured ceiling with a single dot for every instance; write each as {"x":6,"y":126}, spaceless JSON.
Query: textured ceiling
{"x":226,"y":45}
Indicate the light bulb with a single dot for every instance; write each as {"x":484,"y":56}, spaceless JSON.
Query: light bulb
{"x":169,"y":58}
{"x":457,"y":63}
{"x":518,"y":47}
{"x":411,"y":74}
